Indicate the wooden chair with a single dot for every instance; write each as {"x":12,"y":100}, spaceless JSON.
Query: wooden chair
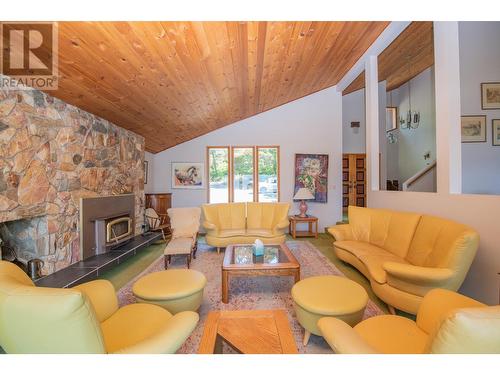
{"x":157,"y":222}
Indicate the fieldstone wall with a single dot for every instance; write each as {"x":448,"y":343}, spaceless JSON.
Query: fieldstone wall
{"x":51,"y":155}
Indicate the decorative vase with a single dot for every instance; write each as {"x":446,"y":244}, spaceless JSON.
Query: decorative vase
{"x":303,"y":208}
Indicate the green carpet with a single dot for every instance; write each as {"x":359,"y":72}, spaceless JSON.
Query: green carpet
{"x":126,"y":271}
{"x":123,"y":273}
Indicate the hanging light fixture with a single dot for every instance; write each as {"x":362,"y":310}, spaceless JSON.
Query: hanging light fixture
{"x":412,"y":120}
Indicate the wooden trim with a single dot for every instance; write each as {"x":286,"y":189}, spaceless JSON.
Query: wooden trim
{"x":482,"y":95}
{"x":419,"y":175}
{"x":229,"y":269}
{"x":232,"y":169}
{"x":397,"y":119}
{"x":207,"y":344}
{"x":485,"y":126}
{"x":287,"y":340}
{"x":257,"y":148}
{"x":228,"y":172}
{"x":255,"y":151}
{"x":493,"y":131}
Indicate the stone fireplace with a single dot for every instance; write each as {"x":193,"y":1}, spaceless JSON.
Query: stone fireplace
{"x":52,"y":154}
{"x":29,"y":238}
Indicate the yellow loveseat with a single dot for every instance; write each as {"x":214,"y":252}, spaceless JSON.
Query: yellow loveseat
{"x":403,"y":254}
{"x":84,"y":319}
{"x":447,"y":323}
{"x":243,"y":223}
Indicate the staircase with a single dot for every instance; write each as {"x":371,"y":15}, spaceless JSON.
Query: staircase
{"x":424,"y":180}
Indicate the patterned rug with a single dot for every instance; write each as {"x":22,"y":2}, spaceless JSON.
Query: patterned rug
{"x":255,"y":293}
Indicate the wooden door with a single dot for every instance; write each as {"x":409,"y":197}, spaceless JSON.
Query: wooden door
{"x":353,"y":180}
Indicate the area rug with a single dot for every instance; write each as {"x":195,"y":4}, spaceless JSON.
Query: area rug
{"x":255,"y":293}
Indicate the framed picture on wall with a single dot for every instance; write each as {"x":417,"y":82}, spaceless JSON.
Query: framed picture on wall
{"x":187,"y":175}
{"x":473,"y":129}
{"x":145,"y":171}
{"x":495,"y":123}
{"x":391,"y":119}
{"x":311,"y":172}
{"x":490,"y":95}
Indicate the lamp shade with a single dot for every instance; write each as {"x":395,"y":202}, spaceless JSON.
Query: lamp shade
{"x":303,"y":194}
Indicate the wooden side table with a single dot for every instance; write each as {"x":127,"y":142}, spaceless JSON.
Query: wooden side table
{"x":312,"y":222}
{"x":248,"y":332}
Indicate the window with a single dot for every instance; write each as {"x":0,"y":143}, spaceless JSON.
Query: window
{"x":218,"y":174}
{"x":267,"y":170}
{"x":243,"y":174}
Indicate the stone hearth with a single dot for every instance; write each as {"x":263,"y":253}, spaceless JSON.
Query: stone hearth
{"x":51,"y":155}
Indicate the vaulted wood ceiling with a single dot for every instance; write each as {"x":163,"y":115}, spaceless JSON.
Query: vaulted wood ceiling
{"x":174,"y":81}
{"x":407,"y":56}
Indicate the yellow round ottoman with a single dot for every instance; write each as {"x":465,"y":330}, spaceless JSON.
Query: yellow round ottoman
{"x":174,"y":290}
{"x":320,"y":296}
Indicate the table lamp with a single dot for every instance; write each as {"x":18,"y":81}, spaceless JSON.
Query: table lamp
{"x":303,"y":194}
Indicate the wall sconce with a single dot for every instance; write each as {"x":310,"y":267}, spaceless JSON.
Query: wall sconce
{"x":355,"y":125}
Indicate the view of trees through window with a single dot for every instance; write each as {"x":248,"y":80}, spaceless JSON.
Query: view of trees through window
{"x":268,"y":174}
{"x":218,"y":174}
{"x":232,"y":172}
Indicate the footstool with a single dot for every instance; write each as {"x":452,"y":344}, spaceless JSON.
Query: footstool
{"x":175,"y":290}
{"x":320,"y":296}
{"x":180,"y":246}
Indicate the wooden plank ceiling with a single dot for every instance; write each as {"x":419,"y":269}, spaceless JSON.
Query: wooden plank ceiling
{"x":407,"y":56}
{"x":173,"y":81}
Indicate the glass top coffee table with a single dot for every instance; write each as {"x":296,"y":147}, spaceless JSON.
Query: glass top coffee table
{"x":239,"y":260}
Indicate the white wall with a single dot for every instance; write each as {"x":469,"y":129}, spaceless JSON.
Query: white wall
{"x":478,"y":211}
{"x":149,"y":187}
{"x":479,"y":62}
{"x":353,"y":109}
{"x":312,"y":124}
{"x":412,"y":144}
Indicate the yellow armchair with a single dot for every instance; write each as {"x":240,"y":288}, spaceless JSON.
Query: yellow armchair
{"x":447,"y":322}
{"x":84,"y":319}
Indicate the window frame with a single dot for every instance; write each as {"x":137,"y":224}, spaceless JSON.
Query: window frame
{"x":233,"y":148}
{"x":257,"y":148}
{"x":255,"y":151}
{"x":229,"y":190}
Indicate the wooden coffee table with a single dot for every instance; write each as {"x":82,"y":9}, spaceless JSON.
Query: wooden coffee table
{"x":248,"y":332}
{"x":282,"y":264}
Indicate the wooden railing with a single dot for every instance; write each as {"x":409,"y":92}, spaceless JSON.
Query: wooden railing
{"x":417,"y":177}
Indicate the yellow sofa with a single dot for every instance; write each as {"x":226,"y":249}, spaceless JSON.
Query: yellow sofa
{"x":243,"y":223}
{"x":447,"y":323}
{"x":84,"y":319}
{"x":403,"y":254}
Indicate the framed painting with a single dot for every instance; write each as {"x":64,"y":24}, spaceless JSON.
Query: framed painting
{"x":311,"y":172}
{"x":490,"y":95}
{"x":145,"y":171}
{"x":391,"y":119}
{"x":473,"y":129}
{"x":495,"y":123}
{"x":186,"y":175}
